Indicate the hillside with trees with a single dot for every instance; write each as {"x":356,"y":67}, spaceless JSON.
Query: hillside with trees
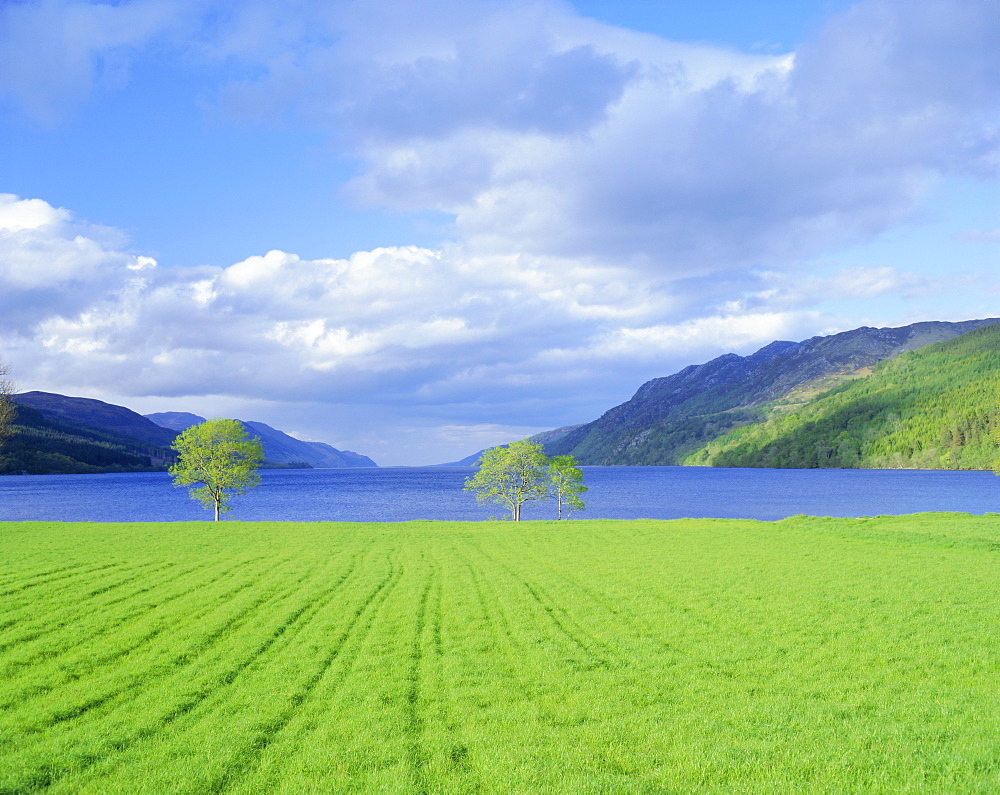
{"x":58,"y":434}
{"x":933,"y":408}
{"x":40,"y":445}
{"x":670,"y":419}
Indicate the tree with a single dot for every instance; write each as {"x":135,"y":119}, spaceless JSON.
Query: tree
{"x":511,"y":476}
{"x":222,"y":457}
{"x":995,"y":438}
{"x":565,"y":484}
{"x":6,"y":403}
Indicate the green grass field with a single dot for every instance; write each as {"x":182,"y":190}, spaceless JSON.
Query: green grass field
{"x":833,"y":655}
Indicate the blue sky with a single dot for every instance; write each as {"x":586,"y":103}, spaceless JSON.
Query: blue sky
{"x":415,"y":229}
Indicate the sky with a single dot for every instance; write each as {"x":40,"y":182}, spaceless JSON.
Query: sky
{"x":418,"y":229}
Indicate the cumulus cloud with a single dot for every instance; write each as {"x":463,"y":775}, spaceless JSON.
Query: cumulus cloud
{"x":541,"y":131}
{"x":51,"y":265}
{"x":409,"y":325}
{"x":544,"y":132}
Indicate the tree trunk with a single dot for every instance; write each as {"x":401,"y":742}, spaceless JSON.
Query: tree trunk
{"x":216,"y":510}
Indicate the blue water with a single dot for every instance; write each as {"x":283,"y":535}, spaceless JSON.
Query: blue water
{"x":397,"y":494}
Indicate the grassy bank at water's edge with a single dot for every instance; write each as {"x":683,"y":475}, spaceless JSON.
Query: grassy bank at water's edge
{"x":837,"y":654}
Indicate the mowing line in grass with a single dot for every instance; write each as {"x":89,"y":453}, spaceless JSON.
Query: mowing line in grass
{"x":714,"y":655}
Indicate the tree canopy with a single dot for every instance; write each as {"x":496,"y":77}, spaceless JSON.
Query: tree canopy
{"x":6,"y":403}
{"x":521,"y":472}
{"x":220,"y":455}
{"x":565,"y":484}
{"x":511,"y":476}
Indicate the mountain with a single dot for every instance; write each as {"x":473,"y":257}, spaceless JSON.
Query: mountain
{"x":50,"y":441}
{"x":348,"y":457}
{"x":543,"y":438}
{"x":670,"y":418}
{"x":176,"y":421}
{"x":87,"y":412}
{"x":933,"y":408}
{"x":279,"y":447}
{"x":62,"y":434}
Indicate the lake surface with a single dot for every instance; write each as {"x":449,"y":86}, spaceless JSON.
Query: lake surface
{"x":398,"y":494}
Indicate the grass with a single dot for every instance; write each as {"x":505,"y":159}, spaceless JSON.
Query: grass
{"x":838,"y":655}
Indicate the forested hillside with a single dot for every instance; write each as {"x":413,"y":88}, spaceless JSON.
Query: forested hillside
{"x":670,"y":418}
{"x":84,"y":412}
{"x":42,"y":445}
{"x":57,"y":434}
{"x":934,"y":408}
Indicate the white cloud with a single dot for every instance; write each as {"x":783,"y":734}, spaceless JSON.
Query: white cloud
{"x":409,"y":324}
{"x":733,"y":332}
{"x":543,"y":132}
{"x":18,"y":215}
{"x":53,"y":266}
{"x":781,"y":290}
{"x":278,"y":325}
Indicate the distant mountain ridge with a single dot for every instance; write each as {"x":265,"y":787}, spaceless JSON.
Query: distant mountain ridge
{"x":62,"y":434}
{"x":279,"y":447}
{"x":176,"y":421}
{"x":543,"y":438}
{"x":669,"y":418}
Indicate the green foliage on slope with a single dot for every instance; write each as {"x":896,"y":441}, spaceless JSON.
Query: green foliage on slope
{"x":83,"y":412}
{"x":667,"y":443}
{"x":42,"y":446}
{"x":670,"y":418}
{"x":934,"y":408}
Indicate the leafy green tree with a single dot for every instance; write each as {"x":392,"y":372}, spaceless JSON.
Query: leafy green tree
{"x":995,"y":439}
{"x":565,"y":484}
{"x":6,"y":403}
{"x":222,"y":457}
{"x":511,"y":476}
